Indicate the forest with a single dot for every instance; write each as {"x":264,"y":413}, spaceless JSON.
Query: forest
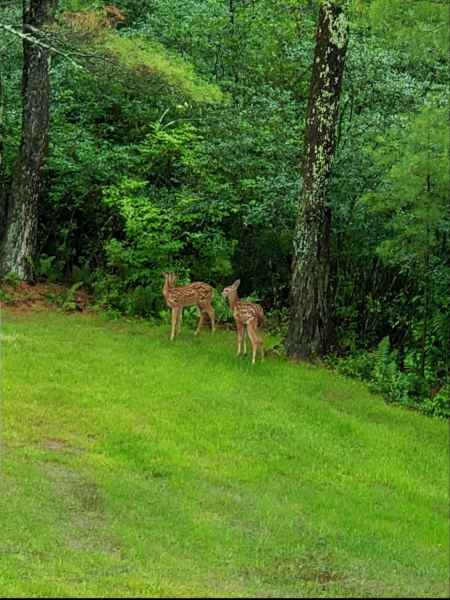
{"x":224,"y":298}
{"x":299,"y":145}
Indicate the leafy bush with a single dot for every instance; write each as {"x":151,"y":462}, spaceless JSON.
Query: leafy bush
{"x":11,"y":279}
{"x":439,"y":404}
{"x":6,"y":297}
{"x":381,"y":369}
{"x":132,"y":279}
{"x":48,"y":268}
{"x":67,"y":300}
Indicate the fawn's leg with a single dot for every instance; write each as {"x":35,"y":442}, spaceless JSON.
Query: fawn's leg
{"x":252,"y":334}
{"x":240,"y":334}
{"x":259,"y":339}
{"x":179,"y":319}
{"x":209,"y":309}
{"x":174,"y":321}
{"x":200,"y":320}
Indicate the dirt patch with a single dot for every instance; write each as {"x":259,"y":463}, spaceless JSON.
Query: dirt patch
{"x":320,"y":576}
{"x":59,"y":446}
{"x":26,"y":297}
{"x":54,"y":444}
{"x":290,"y":572}
{"x":83,"y":509}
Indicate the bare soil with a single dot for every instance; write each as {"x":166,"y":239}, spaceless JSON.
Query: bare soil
{"x":25,"y":297}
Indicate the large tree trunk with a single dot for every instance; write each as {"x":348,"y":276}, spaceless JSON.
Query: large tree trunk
{"x":19,"y":243}
{"x":310,"y":326}
{"x":2,"y":142}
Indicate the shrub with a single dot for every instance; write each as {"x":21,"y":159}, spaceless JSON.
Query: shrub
{"x":382,"y":370}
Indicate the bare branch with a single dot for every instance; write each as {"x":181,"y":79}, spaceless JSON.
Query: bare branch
{"x":39,"y":42}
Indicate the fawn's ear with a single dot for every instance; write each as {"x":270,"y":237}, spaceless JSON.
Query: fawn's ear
{"x":236,"y":284}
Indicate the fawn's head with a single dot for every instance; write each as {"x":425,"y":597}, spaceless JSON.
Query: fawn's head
{"x":170,"y":279}
{"x":231,"y":290}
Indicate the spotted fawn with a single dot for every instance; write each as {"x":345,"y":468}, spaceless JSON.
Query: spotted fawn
{"x":246,"y":315}
{"x":195,"y":294}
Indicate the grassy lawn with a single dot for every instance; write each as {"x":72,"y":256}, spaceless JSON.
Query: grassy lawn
{"x":132,"y":466}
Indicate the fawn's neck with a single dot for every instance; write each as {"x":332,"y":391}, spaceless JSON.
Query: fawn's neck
{"x":233,"y":299}
{"x":166,"y":289}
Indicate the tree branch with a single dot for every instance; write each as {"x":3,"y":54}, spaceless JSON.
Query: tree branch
{"x":38,"y":42}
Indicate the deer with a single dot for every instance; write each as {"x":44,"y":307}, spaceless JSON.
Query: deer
{"x":247,"y":315}
{"x":197,"y":293}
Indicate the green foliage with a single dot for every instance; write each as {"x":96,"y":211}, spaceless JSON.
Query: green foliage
{"x":81,"y":5}
{"x":413,"y":201}
{"x":421,"y":27}
{"x":48,"y":268}
{"x":386,"y":375}
{"x":414,"y":194}
{"x":11,"y":279}
{"x":131,"y":9}
{"x":6,"y":297}
{"x":222,"y":308}
{"x":153,"y":236}
{"x":240,"y":44}
{"x":382,"y":369}
{"x":390,"y":211}
{"x":439,"y":404}
{"x":137,"y":261}
{"x":151,"y":60}
{"x":228,"y":183}
{"x":67,"y":299}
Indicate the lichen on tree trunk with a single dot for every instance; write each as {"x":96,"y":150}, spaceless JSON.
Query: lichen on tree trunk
{"x":310,"y":325}
{"x":19,"y":240}
{"x":2,"y":142}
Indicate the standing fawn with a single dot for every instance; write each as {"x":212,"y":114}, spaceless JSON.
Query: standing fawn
{"x":246,"y":314}
{"x":197,"y":293}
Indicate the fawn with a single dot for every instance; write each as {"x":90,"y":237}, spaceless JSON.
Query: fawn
{"x":197,"y":293}
{"x":246,"y":314}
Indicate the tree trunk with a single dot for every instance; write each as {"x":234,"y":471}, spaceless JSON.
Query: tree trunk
{"x":2,"y":146}
{"x":310,"y":326}
{"x":19,"y":243}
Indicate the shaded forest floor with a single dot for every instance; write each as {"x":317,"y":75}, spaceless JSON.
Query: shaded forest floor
{"x":23,"y":297}
{"x":133,"y":466}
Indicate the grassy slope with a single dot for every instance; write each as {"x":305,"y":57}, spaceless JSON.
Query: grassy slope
{"x":133,"y":466}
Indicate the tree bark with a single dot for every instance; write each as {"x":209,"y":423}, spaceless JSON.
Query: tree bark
{"x":19,"y":242}
{"x":310,"y":329}
{"x":2,"y":146}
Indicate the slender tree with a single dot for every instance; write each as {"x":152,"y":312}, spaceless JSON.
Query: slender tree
{"x":310,"y":326}
{"x":19,"y":240}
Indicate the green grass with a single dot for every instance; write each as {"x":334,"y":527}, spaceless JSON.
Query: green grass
{"x":132,"y":466}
